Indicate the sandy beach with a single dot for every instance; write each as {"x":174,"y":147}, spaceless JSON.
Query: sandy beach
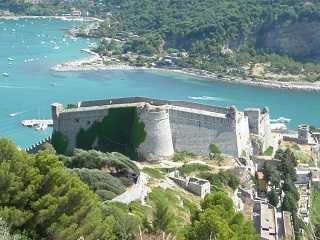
{"x":95,"y":63}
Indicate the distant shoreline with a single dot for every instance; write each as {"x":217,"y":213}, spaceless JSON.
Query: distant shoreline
{"x":65,"y":18}
{"x":95,"y":63}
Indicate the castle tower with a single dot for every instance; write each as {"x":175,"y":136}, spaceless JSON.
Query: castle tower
{"x":253,"y":115}
{"x":303,"y":134}
{"x":232,"y":112}
{"x":158,"y":143}
{"x":56,"y":108}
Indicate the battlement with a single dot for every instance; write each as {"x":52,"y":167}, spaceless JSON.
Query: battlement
{"x":170,"y":125}
{"x":137,"y":101}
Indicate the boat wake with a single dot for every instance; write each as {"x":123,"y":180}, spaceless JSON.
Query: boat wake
{"x":208,"y":98}
{"x":16,"y":113}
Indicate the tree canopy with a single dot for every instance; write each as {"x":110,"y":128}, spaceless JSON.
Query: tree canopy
{"x":218,"y":220}
{"x":39,"y":196}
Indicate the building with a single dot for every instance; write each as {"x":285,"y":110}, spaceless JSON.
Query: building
{"x":76,"y":13}
{"x":169,"y":126}
{"x":197,"y":186}
{"x":265,"y":220}
{"x":303,"y":134}
{"x":303,"y":184}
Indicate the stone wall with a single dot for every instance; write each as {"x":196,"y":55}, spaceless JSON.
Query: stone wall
{"x":194,"y":132}
{"x":171,"y":126}
{"x":70,"y":123}
{"x":259,"y":125}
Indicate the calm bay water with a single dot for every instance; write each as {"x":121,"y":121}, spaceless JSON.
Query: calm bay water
{"x":37,"y":45}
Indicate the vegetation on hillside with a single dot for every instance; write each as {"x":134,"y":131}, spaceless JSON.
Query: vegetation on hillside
{"x":40,"y":197}
{"x":283,"y":177}
{"x":218,"y":35}
{"x":107,"y":174}
{"x":218,"y":219}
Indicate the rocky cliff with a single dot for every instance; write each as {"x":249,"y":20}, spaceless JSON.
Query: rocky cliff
{"x":300,"y":40}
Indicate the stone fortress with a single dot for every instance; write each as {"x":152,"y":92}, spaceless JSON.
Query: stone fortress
{"x":174,"y":126}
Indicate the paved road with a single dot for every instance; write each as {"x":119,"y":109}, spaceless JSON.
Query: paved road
{"x":136,"y":192}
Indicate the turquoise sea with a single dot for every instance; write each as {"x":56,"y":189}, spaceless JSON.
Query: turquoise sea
{"x":30,"y":88}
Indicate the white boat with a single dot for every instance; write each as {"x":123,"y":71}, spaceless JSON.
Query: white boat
{"x":56,"y":47}
{"x":37,"y":122}
{"x":280,"y":120}
{"x":15,"y":114}
{"x":5,"y":74}
{"x":278,"y":126}
{"x":41,"y":127}
{"x":10,"y":59}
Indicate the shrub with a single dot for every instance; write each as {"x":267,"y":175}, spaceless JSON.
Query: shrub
{"x":93,"y":159}
{"x":105,"y":194}
{"x":268,"y":151}
{"x":59,"y":142}
{"x":221,"y":179}
{"x":100,"y":180}
{"x":213,"y":148}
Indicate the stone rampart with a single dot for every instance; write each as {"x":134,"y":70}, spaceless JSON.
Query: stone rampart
{"x":259,"y":125}
{"x":194,"y":132}
{"x":155,"y":102}
{"x":169,"y":125}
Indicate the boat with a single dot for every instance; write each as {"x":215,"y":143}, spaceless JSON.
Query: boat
{"x":280,"y":120}
{"x":56,"y":47}
{"x":5,"y":74}
{"x":36,"y":122}
{"x":15,"y":114}
{"x":278,"y":126}
{"x":41,"y":127}
{"x":10,"y":59}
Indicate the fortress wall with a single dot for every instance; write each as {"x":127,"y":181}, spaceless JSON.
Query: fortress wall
{"x":194,"y":132}
{"x":259,"y":124}
{"x":158,"y":143}
{"x":70,"y":123}
{"x":265,"y":130}
{"x":155,"y":102}
{"x":254,"y":119}
{"x":243,"y":135}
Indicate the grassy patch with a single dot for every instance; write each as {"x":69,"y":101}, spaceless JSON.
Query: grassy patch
{"x":315,"y":206}
{"x":187,"y":169}
{"x":295,"y":147}
{"x":154,"y":173}
{"x":302,"y":157}
{"x":268,"y":151}
{"x":182,"y":156}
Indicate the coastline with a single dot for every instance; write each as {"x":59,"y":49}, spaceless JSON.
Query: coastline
{"x":64,"y":18}
{"x":95,"y":63}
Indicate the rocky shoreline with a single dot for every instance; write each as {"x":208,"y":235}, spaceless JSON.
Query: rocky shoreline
{"x":95,"y":63}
